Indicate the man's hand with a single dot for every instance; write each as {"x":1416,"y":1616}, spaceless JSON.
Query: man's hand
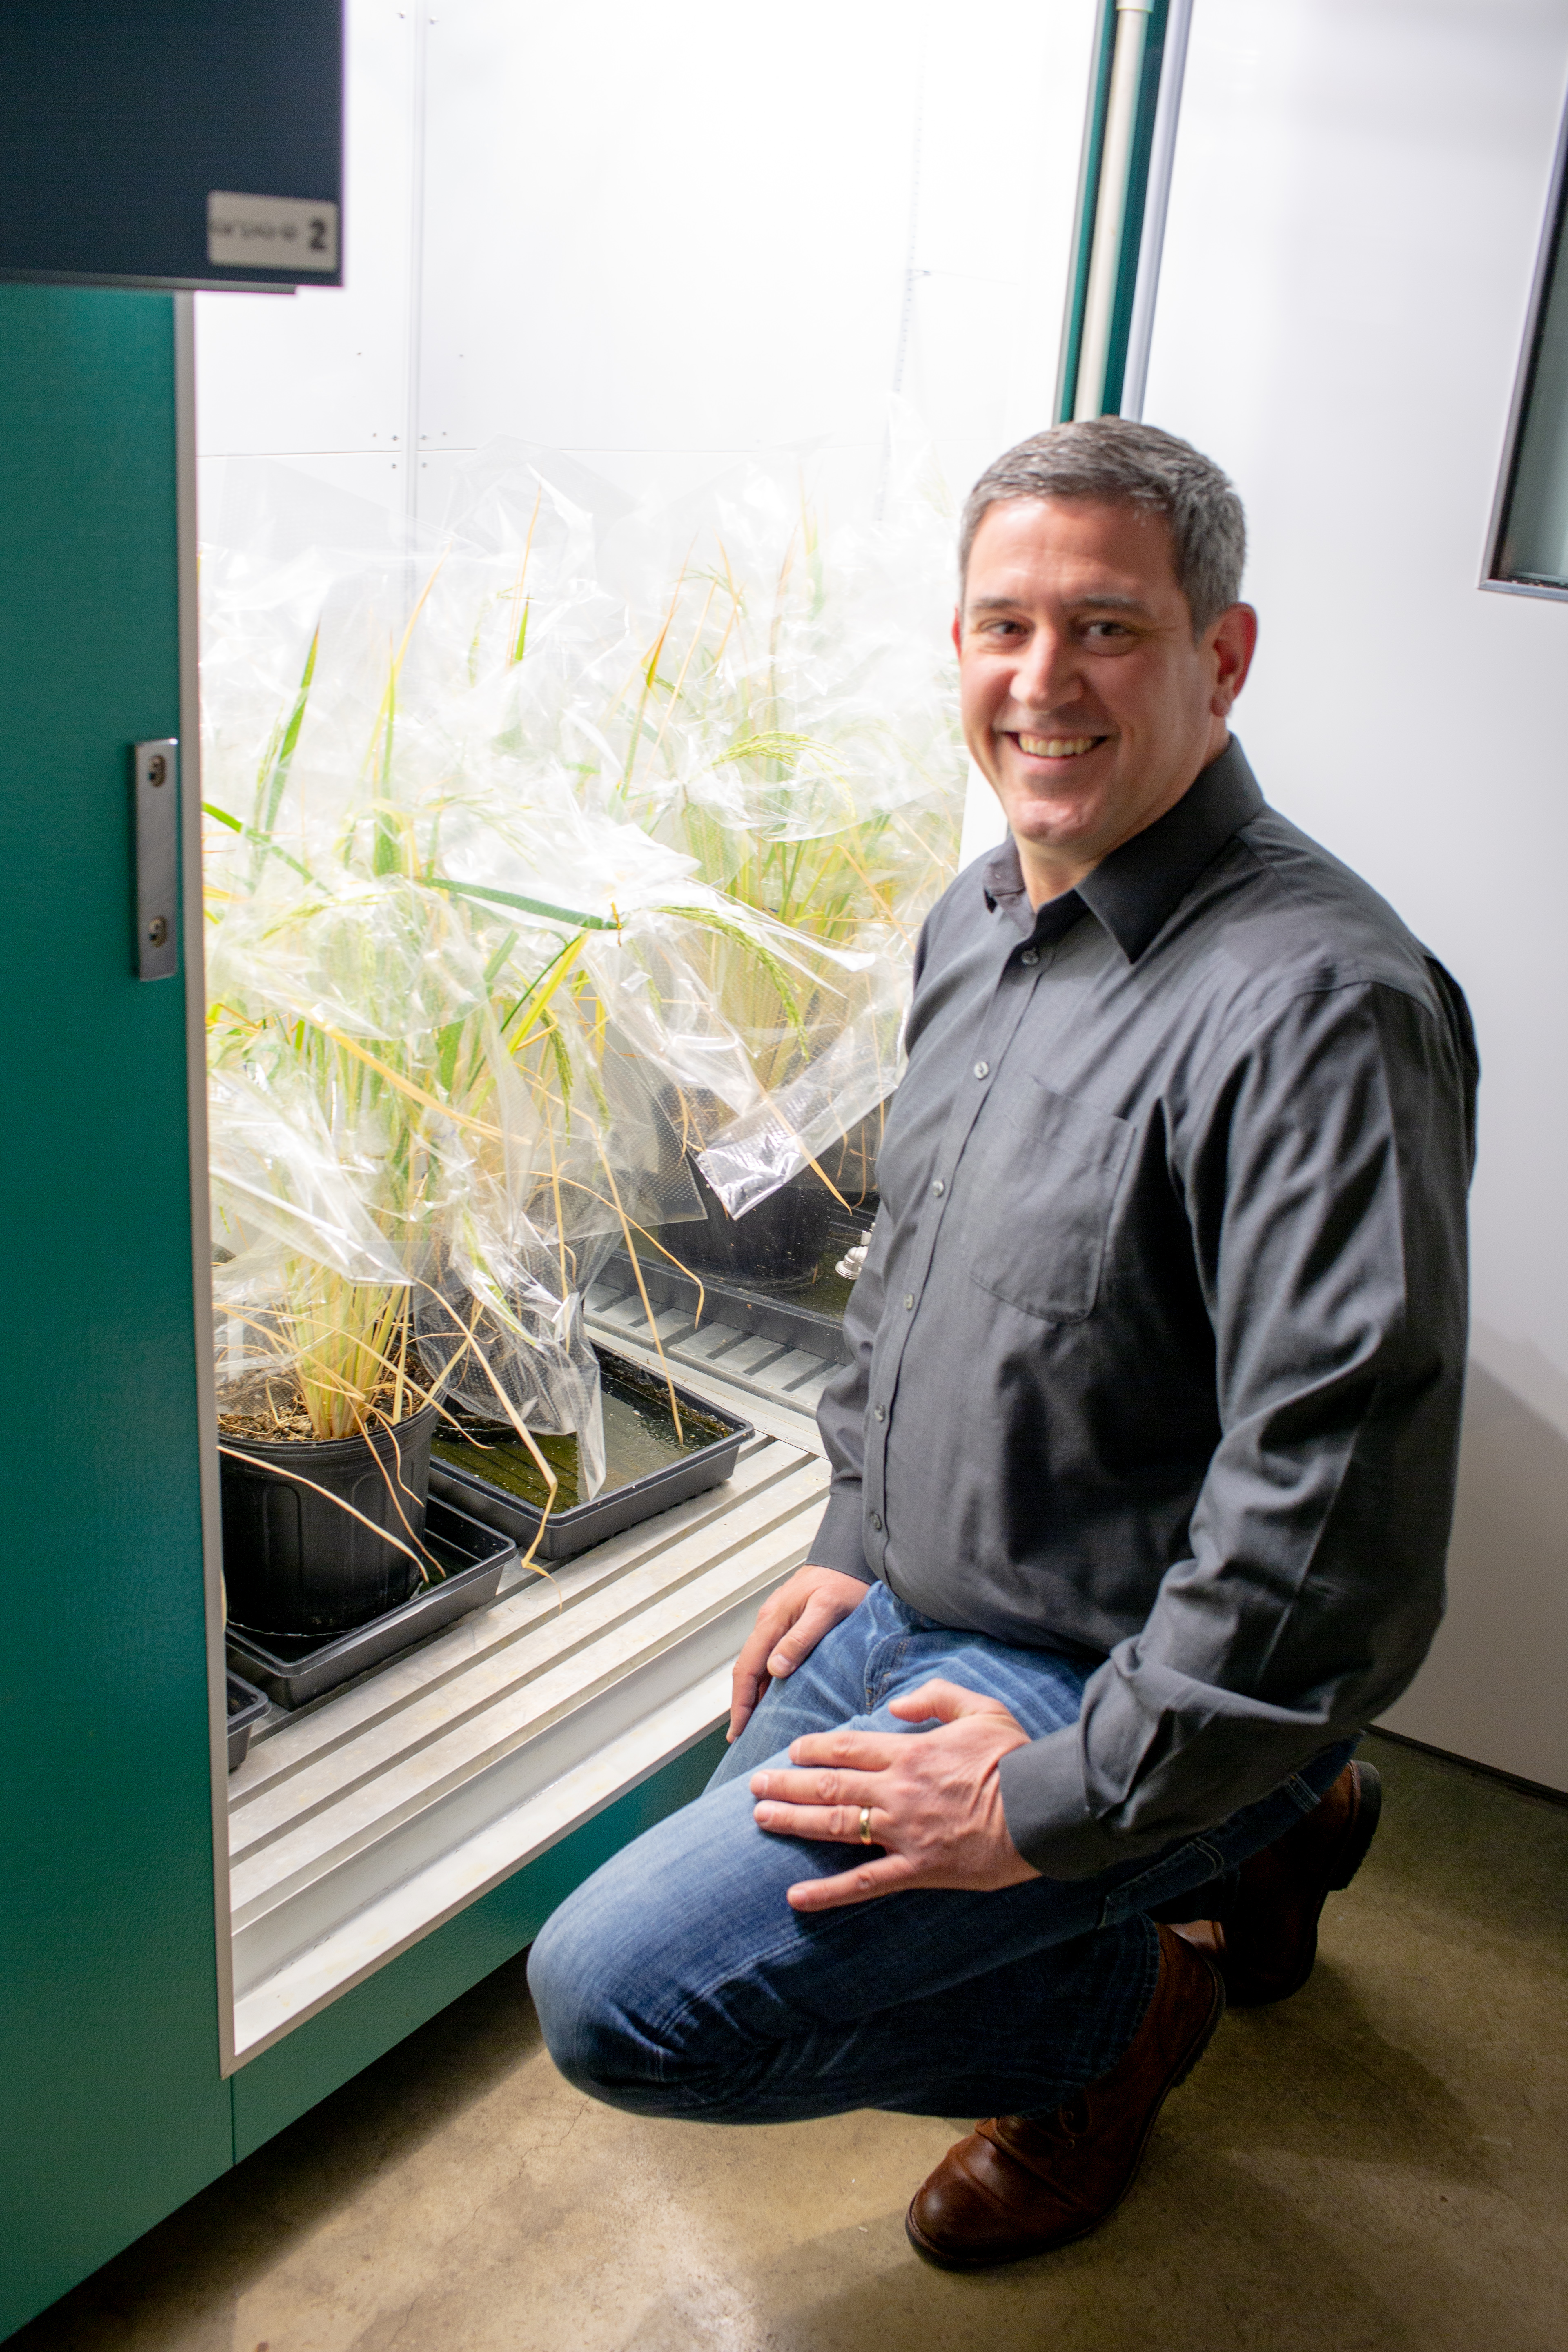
{"x":935,"y":1799}
{"x":789,"y":1626}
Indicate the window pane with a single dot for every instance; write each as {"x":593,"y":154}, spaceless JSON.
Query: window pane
{"x":1534,"y":546}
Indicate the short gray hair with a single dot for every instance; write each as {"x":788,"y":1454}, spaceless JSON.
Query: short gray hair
{"x":1114,"y":462}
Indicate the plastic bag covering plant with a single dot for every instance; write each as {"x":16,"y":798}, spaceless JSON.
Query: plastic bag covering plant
{"x":784,"y":713}
{"x":497,"y":940}
{"x":438,"y":1096}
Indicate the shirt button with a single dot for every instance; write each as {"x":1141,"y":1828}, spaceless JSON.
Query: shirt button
{"x":909,"y":1302}
{"x":878,"y":1412}
{"x":939,"y":1188}
{"x":876,"y":1525}
{"x":1029,"y":956}
{"x":982,"y":1069}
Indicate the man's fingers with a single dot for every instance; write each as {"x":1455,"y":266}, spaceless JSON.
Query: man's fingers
{"x":748,"y":1675}
{"x":832,"y":1788}
{"x":772,"y":1622}
{"x":855,"y":1751}
{"x":836,"y":1824}
{"x":790,"y":1624}
{"x":743,"y":1698}
{"x":747,"y":1685}
{"x":817,"y":1618}
{"x":884,"y":1876}
{"x":945,"y":1702}
{"x":756,"y":1667}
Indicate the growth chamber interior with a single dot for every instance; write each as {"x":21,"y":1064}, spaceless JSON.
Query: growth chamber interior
{"x":579,"y":756}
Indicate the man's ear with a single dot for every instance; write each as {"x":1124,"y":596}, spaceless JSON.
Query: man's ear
{"x":957,"y":631}
{"x":1233,"y":638}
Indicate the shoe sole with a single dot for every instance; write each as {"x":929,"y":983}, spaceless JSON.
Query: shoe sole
{"x":946,"y":2262}
{"x":1363,"y":1829}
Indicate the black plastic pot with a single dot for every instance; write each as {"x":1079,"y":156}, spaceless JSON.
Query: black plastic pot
{"x":293,"y":1669}
{"x":776,"y":1246}
{"x":294,"y":1559}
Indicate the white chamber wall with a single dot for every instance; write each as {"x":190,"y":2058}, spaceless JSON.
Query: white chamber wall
{"x":1357,"y":201}
{"x":659,"y":240}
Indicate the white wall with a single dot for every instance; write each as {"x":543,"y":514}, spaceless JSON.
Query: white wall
{"x":1358,"y":195}
{"x":657,"y":238}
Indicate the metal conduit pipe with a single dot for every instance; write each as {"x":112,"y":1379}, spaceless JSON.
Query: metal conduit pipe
{"x":1110,"y":203}
{"x":1162,"y":158}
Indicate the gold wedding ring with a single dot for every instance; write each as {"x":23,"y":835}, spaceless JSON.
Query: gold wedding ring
{"x":865,"y":1824}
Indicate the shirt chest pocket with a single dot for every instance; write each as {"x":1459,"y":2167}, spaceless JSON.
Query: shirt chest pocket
{"x":1042,"y":1180}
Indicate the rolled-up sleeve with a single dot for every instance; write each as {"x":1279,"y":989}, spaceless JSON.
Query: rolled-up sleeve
{"x":1323,"y":1171}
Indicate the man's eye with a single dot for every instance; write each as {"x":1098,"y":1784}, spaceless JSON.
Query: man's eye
{"x":1105,"y":629}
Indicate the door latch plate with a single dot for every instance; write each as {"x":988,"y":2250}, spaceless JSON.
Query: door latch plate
{"x":156,"y":773}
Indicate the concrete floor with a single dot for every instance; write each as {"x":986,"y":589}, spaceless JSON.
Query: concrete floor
{"x":1382,"y":2162}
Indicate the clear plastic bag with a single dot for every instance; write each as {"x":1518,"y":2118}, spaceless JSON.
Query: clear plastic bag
{"x":531,"y":888}
{"x":504,"y":1347}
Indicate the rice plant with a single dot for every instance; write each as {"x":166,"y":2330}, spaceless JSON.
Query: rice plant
{"x":516,"y":913}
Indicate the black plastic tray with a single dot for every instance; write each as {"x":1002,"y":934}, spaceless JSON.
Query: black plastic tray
{"x":292,"y":1668}
{"x":247,"y":1705}
{"x":566,"y":1533}
{"x":783,"y":1321}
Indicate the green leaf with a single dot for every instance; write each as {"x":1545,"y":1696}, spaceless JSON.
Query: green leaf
{"x":274,"y":767}
{"x":261,"y":841}
{"x":497,"y":961}
{"x":526,"y":906}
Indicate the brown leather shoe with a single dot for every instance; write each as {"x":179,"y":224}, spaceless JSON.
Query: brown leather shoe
{"x":1266,"y":1943}
{"x":1019,"y":2185}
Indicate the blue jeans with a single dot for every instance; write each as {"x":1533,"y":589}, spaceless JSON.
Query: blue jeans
{"x":678,"y":1981}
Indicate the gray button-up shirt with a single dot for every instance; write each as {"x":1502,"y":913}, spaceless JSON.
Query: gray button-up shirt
{"x":1158,"y":1350}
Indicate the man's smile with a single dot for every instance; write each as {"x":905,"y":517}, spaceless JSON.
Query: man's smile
{"x":1056,"y":747}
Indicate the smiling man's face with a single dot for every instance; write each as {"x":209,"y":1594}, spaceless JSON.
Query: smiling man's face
{"x":1087,"y":702}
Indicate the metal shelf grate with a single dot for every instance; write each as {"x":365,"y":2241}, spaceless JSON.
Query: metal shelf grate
{"x":777,"y":1370}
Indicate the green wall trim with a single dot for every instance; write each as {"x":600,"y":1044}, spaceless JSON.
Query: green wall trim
{"x":1109,"y":395}
{"x":276,"y":2088}
{"x":115,"y":2109}
{"x":1087,"y":199}
{"x":1137,"y":201}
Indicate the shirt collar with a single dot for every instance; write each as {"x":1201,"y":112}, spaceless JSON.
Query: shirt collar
{"x":1134,"y":891}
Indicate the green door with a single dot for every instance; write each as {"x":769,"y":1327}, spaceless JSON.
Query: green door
{"x":114,"y":2105}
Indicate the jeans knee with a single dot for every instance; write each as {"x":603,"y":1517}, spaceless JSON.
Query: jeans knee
{"x":591,"y":1974}
{"x":624,"y":1975}
{"x":561,"y":1980}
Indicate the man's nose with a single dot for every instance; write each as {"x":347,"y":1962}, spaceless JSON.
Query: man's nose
{"x":1046,"y":671}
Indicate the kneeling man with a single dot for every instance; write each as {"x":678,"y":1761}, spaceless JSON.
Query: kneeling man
{"x":1143,"y":1460}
